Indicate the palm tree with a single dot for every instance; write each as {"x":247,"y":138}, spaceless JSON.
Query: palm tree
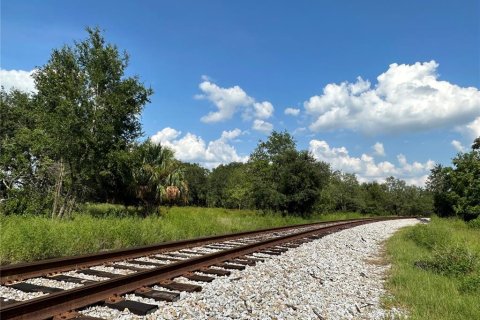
{"x":158,"y":175}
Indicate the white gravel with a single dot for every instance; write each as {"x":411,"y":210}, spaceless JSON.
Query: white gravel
{"x":14,"y":294}
{"x":329,"y":278}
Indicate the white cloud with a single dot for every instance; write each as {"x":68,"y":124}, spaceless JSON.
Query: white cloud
{"x":17,"y":79}
{"x":292,"y":111}
{"x":378,"y":149}
{"x":192,"y":148}
{"x":473,"y":128}
{"x":263,"y":110}
{"x":406,"y":98}
{"x":167,"y":134}
{"x":458,"y":146}
{"x":262,"y":126}
{"x":229,"y":101}
{"x":232,"y":134}
{"x":365,"y":166}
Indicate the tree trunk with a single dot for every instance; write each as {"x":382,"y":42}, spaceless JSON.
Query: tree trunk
{"x":58,"y":188}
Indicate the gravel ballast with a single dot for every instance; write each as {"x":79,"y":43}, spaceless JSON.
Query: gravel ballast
{"x":335,"y":277}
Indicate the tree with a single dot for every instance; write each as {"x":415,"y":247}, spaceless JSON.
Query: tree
{"x":301,"y":180}
{"x":263,"y":165}
{"x":157,"y":176}
{"x":196,"y":178}
{"x":228,"y":186}
{"x":89,"y":112}
{"x":25,"y":177}
{"x":343,"y":193}
{"x":457,"y":190}
{"x":375,"y":197}
{"x":284,"y":179}
{"x":439,"y":184}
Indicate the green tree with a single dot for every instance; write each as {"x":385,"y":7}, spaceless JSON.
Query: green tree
{"x":375,"y":197}
{"x":301,"y":179}
{"x":343,"y":193}
{"x":263,"y":165}
{"x":228,"y":186}
{"x":25,"y":177}
{"x":157,"y":176}
{"x":89,"y":112}
{"x":196,"y":178}
{"x":456,"y":190}
{"x":283,"y":179}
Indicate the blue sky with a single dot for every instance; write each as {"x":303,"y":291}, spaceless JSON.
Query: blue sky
{"x":225,"y":72}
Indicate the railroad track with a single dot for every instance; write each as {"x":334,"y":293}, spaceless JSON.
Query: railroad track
{"x":69,"y":284}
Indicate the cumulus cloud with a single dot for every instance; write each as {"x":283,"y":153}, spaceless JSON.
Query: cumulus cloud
{"x":405,"y":98}
{"x":378,"y":149}
{"x":17,"y":79}
{"x":192,"y":148}
{"x":458,"y":146}
{"x":262,"y":126}
{"x":229,"y":101}
{"x":365,"y":166}
{"x":292,"y":112}
{"x":232,"y":134}
{"x":473,"y":128}
{"x":263,"y":110}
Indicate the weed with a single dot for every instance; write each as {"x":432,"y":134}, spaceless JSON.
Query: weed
{"x":452,"y":261}
{"x":107,"y":226}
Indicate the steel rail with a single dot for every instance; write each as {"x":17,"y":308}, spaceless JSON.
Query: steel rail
{"x":16,"y":272}
{"x":56,"y":303}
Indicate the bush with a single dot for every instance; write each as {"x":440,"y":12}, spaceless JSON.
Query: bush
{"x":429,"y":236}
{"x":474,"y":224}
{"x":26,"y":202}
{"x":451,"y":261}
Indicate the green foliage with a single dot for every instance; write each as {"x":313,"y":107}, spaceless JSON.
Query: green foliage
{"x":157,"y":175}
{"x":229,"y":186}
{"x":102,"y":210}
{"x":68,"y":139}
{"x":446,"y":284}
{"x":474,"y":224}
{"x":451,"y":261}
{"x":105,"y":226}
{"x":429,"y":236}
{"x":342,"y":193}
{"x":457,"y":190}
{"x":197,"y":180}
{"x":284,"y":179}
{"x":300,"y":181}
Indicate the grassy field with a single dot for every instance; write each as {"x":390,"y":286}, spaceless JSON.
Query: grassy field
{"x":103,"y":227}
{"x":436,"y":270}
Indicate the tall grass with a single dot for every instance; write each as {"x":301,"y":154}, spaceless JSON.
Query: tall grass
{"x":436,"y":270}
{"x":104,"y":227}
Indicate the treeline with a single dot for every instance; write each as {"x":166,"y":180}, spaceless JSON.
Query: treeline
{"x":281,"y":179}
{"x":76,"y":140}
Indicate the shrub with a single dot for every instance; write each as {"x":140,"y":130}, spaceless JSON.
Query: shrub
{"x":474,"y":224}
{"x":428,"y":236}
{"x":451,"y":261}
